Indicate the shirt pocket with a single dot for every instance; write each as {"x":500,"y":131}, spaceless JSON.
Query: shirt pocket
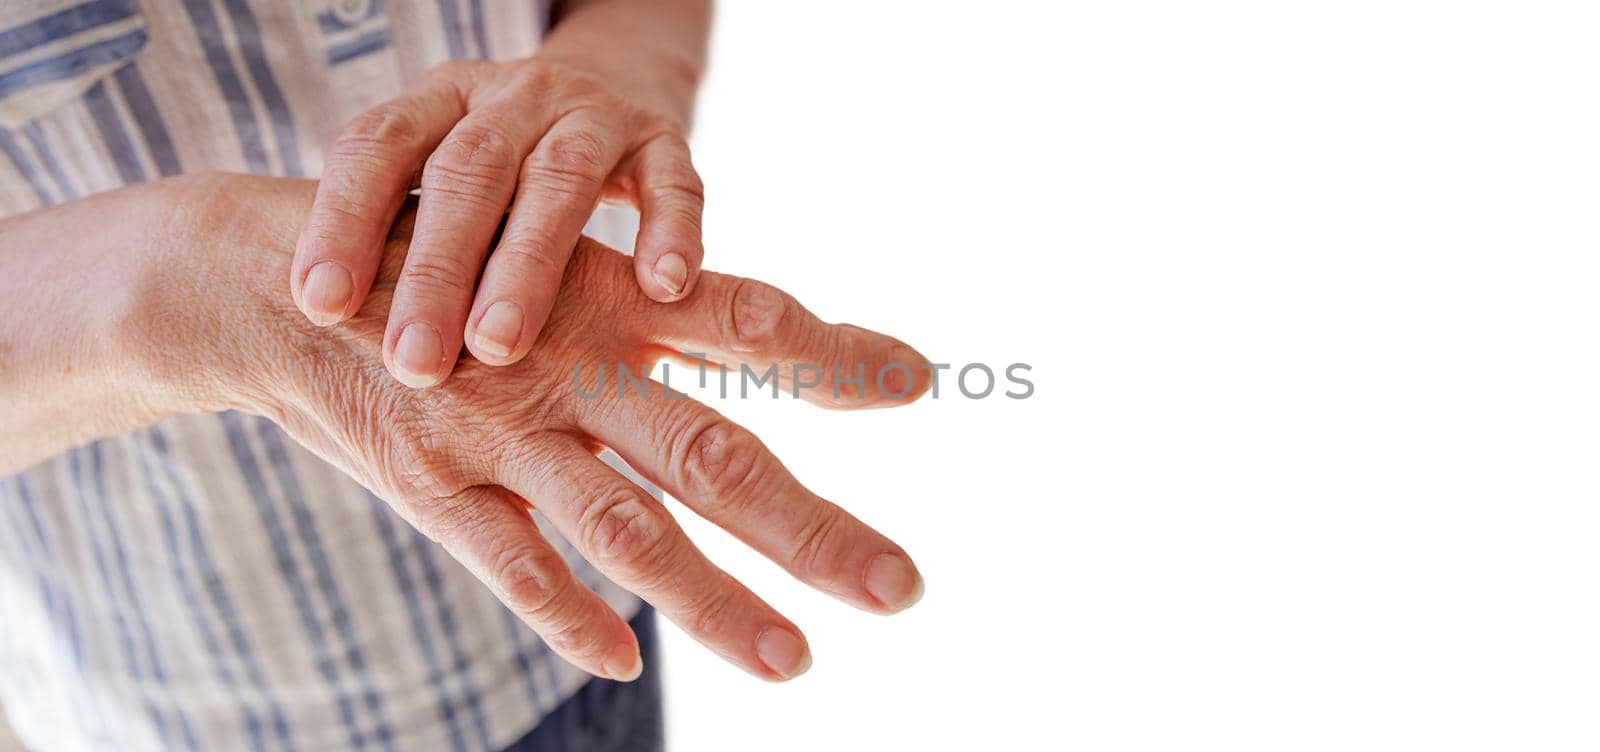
{"x":52,"y":51}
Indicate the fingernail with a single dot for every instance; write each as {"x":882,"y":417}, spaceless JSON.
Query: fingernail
{"x":326,"y":293}
{"x":783,"y":652}
{"x":623,"y":663}
{"x":671,"y":272}
{"x":897,"y":382}
{"x":909,"y":358}
{"x":417,"y":355}
{"x":499,"y":329}
{"x":893,"y":581}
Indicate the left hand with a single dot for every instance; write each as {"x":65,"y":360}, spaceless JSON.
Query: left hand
{"x":549,"y":139}
{"x":464,"y":462}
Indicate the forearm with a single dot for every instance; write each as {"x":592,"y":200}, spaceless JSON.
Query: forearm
{"x":65,"y":375}
{"x":655,"y":49}
{"x":115,"y":314}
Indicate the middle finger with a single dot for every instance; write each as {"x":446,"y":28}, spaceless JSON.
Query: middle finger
{"x":560,"y":185}
{"x":632,"y":538}
{"x":725,"y":474}
{"x":466,"y":186}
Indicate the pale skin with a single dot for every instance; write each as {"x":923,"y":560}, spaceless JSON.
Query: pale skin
{"x":600,"y":113}
{"x":184,"y":308}
{"x":340,"y":310}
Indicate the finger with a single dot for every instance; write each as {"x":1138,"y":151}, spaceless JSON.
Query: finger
{"x":725,"y":474}
{"x":740,"y":322}
{"x":489,"y":530}
{"x":466,"y":186}
{"x":364,"y":180}
{"x":668,"y":251}
{"x":631,"y":538}
{"x":559,"y":186}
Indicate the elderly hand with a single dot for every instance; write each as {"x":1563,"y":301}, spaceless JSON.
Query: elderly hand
{"x":465,"y":461}
{"x":550,"y":138}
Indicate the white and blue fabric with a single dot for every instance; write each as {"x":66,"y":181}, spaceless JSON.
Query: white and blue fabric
{"x":207,"y":583}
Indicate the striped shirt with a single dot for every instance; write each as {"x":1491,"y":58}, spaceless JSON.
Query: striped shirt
{"x":206,"y":583}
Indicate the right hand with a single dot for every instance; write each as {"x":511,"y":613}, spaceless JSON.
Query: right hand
{"x":466,"y":460}
{"x":539,"y":138}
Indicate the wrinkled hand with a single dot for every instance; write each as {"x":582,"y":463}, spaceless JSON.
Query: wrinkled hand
{"x":547,"y":138}
{"x":466,"y":460}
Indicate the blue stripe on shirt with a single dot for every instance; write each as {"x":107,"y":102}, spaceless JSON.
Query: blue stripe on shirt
{"x":24,"y":164}
{"x":424,"y":549}
{"x":338,"y":612}
{"x":450,"y":16}
{"x":367,"y":43}
{"x":515,"y":630}
{"x":80,"y":486}
{"x":247,"y":36}
{"x":245,"y":126}
{"x":400,"y":567}
{"x":63,"y":24}
{"x":73,"y":62}
{"x":56,"y":594}
{"x":41,"y":146}
{"x":148,"y":118}
{"x":115,"y":134}
{"x":119,"y":555}
{"x":215,"y":588}
{"x":480,"y":27}
{"x":54,"y":612}
{"x":189,"y":594}
{"x":289,"y":569}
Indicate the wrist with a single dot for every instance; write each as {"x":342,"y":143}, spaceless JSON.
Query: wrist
{"x":653,"y":52}
{"x":81,"y":340}
{"x":205,"y":325}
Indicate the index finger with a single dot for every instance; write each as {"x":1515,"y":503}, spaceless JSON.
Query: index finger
{"x":367,"y":173}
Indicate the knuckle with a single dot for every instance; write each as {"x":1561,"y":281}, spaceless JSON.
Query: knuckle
{"x":384,"y":126}
{"x":758,"y":311}
{"x":339,"y":215}
{"x":440,"y":513}
{"x":815,"y":553}
{"x":346,"y":208}
{"x":572,"y":640}
{"x":580,"y":152}
{"x":424,"y":470}
{"x":621,"y":532}
{"x":839,"y":354}
{"x":837,"y":346}
{"x":532,"y":254}
{"x":680,"y":180}
{"x":568,"y":82}
{"x":437,"y":276}
{"x":685,"y":217}
{"x":461,"y":68}
{"x":526,"y":587}
{"x":474,"y":163}
{"x":713,"y":615}
{"x":724,"y":459}
{"x":536,"y":76}
{"x":512,"y":448}
{"x":571,"y":164}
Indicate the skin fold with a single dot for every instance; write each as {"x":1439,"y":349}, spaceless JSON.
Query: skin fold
{"x":171,"y":297}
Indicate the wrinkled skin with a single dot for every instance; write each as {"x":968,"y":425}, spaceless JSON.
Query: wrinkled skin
{"x":544,"y":140}
{"x":465,"y":460}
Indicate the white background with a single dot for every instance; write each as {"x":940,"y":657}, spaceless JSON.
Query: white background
{"x":1310,"y":292}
